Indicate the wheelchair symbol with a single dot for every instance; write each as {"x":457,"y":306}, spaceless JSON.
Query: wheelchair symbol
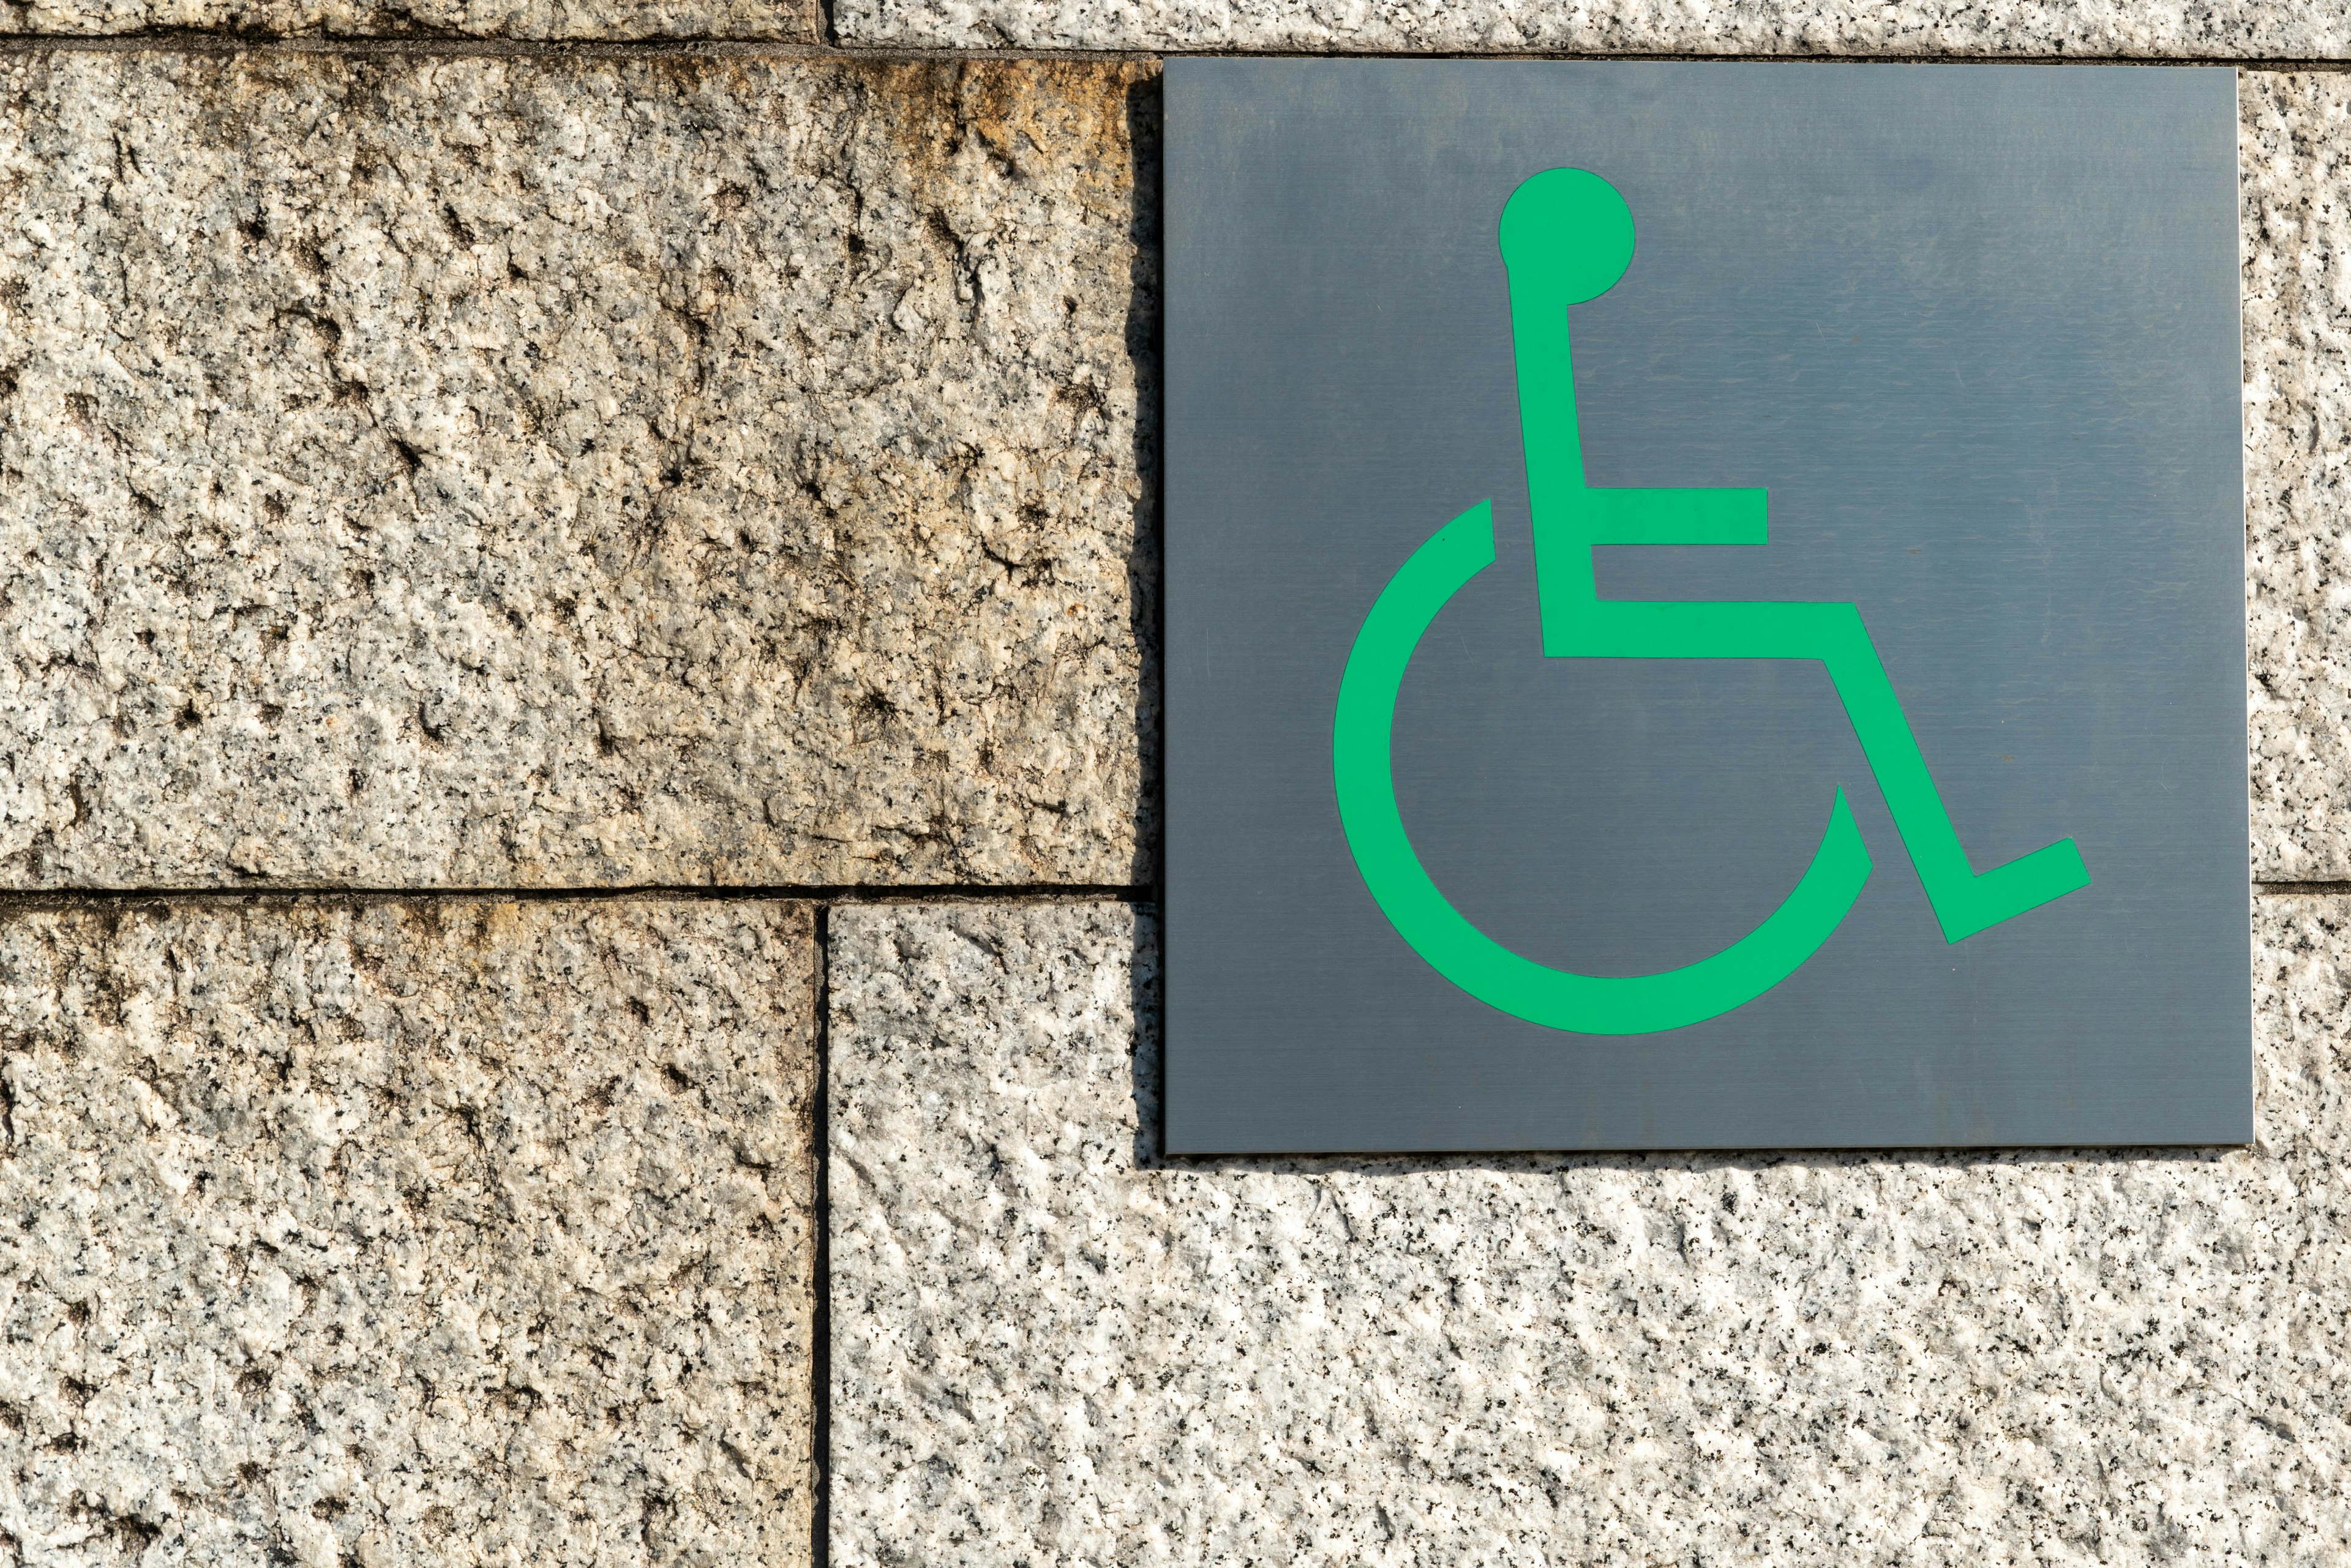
{"x":1567,"y":238}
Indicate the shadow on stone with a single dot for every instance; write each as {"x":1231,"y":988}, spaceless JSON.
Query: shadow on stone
{"x":1144,"y":555}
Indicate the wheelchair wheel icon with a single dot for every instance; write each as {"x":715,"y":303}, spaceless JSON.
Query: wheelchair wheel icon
{"x":1567,"y":238}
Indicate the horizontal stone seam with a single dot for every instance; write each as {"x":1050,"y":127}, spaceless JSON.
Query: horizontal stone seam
{"x":44,"y":899}
{"x":200,"y":41}
{"x":782,"y":892}
{"x":396,"y":46}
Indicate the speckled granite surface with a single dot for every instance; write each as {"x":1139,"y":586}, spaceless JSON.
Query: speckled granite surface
{"x":570,"y":473}
{"x":1048,"y":1348}
{"x":2058,"y":29}
{"x":704,"y":470}
{"x":799,"y":20}
{"x":562,"y":472}
{"x":423,"y":1234}
{"x":2276,"y":29}
{"x":2295,"y":169}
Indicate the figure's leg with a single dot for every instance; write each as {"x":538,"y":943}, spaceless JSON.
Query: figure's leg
{"x":1964,"y":902}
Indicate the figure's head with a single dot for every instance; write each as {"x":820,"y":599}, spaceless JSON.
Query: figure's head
{"x":1569,"y":233}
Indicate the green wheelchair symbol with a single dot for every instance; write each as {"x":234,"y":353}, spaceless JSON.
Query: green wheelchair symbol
{"x":1567,"y":238}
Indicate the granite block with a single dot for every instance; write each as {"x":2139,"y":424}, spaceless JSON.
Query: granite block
{"x":2294,"y":174}
{"x":488,"y":472}
{"x":1905,"y":29}
{"x":406,"y":1234}
{"x":1051,"y":1346}
{"x":792,"y":20}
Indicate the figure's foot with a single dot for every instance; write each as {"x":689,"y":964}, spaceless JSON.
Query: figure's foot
{"x":2005,"y":891}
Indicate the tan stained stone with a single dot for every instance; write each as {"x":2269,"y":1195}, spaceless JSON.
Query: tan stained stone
{"x":1051,"y":1346}
{"x":799,"y":20}
{"x":483,"y":472}
{"x":671,"y":561}
{"x":407,"y":1233}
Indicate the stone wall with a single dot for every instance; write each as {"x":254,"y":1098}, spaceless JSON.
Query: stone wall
{"x":578,"y":776}
{"x":439,"y":1231}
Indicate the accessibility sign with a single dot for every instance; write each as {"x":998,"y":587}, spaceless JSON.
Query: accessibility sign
{"x":1505,"y":832}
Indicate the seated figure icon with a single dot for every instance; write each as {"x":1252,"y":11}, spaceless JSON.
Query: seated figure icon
{"x":1566,"y":239}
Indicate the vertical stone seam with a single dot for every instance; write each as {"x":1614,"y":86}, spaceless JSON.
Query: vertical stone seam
{"x":820,"y":1265}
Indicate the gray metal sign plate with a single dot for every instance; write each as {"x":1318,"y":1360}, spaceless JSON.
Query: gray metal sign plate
{"x":1976,"y":330}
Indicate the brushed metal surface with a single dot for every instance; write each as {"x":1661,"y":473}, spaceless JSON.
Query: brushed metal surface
{"x":1975,"y":328}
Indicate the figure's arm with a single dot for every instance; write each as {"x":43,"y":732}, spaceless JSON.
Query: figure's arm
{"x":1576,"y":520}
{"x":1692,"y":517}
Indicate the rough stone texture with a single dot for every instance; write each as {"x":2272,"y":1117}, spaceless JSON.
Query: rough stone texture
{"x":2234,"y":29}
{"x":551,"y":471}
{"x":435,"y":1236}
{"x":797,"y":20}
{"x":1048,"y":1348}
{"x":2294,"y":168}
